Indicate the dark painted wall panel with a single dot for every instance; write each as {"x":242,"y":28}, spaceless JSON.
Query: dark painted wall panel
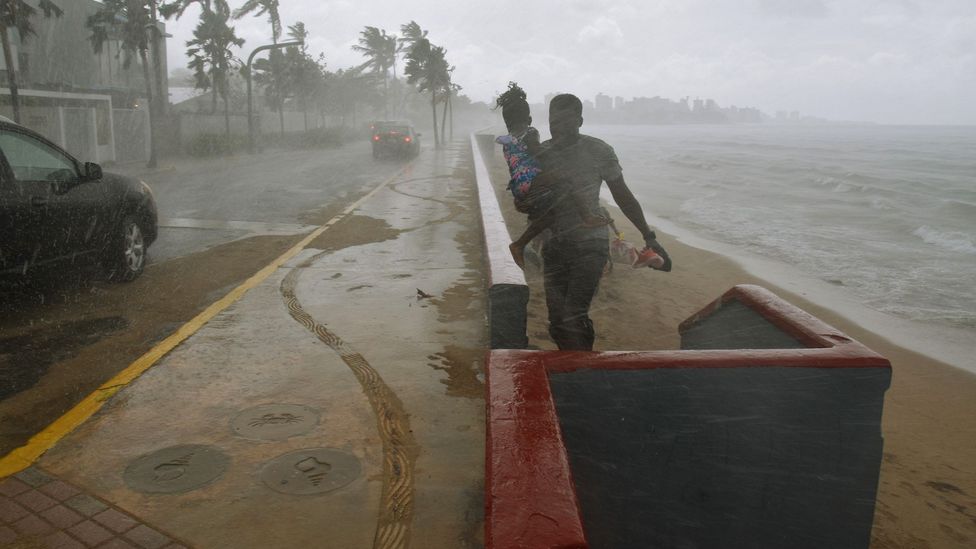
{"x":507,"y":316}
{"x":724,"y":457}
{"x":736,"y":326}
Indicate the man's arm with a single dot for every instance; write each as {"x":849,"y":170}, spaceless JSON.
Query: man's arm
{"x":628,"y":204}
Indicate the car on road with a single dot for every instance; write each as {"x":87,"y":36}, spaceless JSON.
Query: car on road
{"x":399,"y":139}
{"x":57,"y":212}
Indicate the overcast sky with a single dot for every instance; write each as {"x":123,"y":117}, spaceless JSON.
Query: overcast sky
{"x":887,"y":61}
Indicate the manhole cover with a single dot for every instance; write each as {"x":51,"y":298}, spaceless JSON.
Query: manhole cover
{"x":313,"y":471}
{"x":176,"y":469}
{"x":275,"y":421}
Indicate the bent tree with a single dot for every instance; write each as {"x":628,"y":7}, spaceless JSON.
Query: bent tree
{"x":211,"y":58}
{"x":128,"y":22}
{"x":427,"y":68}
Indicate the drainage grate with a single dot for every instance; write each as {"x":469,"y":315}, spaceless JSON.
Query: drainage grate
{"x":275,"y":421}
{"x":176,"y":469}
{"x":312,"y":471}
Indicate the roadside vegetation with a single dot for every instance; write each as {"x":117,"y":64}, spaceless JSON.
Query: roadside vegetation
{"x":402,"y":74}
{"x":399,"y":74}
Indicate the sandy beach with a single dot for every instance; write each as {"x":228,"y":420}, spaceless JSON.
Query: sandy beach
{"x":927,"y":491}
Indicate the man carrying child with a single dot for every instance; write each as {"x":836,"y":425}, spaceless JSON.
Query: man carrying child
{"x":575,"y":255}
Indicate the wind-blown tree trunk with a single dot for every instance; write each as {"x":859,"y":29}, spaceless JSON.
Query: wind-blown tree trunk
{"x":450,"y":109}
{"x":161,"y":99}
{"x":386,"y":97}
{"x":281,"y":117}
{"x":11,"y":73}
{"x":396,"y":91}
{"x":433,"y":109}
{"x":230,"y":148}
{"x":213,"y":100}
{"x":152,"y":116}
{"x":444,"y":117}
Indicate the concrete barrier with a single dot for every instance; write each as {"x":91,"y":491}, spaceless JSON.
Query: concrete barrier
{"x":764,"y":431}
{"x":508,"y":294}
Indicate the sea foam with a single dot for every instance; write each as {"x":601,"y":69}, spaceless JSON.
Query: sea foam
{"x":953,"y":241}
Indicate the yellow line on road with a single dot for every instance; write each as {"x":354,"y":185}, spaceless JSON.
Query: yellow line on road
{"x":25,"y":456}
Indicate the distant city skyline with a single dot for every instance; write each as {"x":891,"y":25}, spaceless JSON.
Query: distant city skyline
{"x":659,"y":109}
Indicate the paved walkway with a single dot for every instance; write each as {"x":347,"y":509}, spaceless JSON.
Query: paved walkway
{"x":337,"y":404}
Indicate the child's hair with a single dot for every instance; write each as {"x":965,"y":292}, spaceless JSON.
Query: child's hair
{"x":513,"y":104}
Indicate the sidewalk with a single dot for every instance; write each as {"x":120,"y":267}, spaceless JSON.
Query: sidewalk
{"x":331,"y":406}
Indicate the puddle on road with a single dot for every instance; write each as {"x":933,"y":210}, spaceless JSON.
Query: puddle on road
{"x":463,"y":366}
{"x":25,"y":358}
{"x":46,"y":289}
{"x":463,"y":300}
{"x":355,"y":230}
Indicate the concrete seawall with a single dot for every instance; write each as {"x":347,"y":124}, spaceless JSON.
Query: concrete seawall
{"x":508,"y":294}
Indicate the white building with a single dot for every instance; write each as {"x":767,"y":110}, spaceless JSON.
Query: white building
{"x":90,"y":104}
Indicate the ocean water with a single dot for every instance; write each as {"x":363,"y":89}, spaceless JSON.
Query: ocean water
{"x":886,"y":213}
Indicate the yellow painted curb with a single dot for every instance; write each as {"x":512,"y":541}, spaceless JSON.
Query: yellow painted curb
{"x":25,"y":456}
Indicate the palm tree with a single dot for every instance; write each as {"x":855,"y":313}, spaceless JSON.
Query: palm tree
{"x":17,"y":14}
{"x":176,"y":8}
{"x":427,"y":67}
{"x":304,"y":71}
{"x":299,"y":33}
{"x":446,"y":98}
{"x":262,"y":7}
{"x":157,"y":36}
{"x":128,"y":20}
{"x":456,"y":90}
{"x":411,"y":33}
{"x":271,"y":74}
{"x":210,"y":57}
{"x":380,"y":49}
{"x":273,"y":68}
{"x":450,"y":89}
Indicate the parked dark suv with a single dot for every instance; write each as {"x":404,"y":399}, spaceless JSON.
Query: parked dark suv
{"x":395,"y":139}
{"x":55,"y":210}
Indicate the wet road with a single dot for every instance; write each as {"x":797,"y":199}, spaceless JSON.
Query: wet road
{"x":220,"y":221}
{"x":205,"y":202}
{"x":338,"y":402}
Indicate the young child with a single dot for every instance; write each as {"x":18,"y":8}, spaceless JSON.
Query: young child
{"x":534,"y":193}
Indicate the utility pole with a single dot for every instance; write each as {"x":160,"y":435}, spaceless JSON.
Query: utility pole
{"x":247,"y":70}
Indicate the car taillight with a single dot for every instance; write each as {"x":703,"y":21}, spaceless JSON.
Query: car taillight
{"x":406,"y":139}
{"x":376,"y":137}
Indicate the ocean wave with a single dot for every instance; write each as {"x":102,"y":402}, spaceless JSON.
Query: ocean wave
{"x":961,"y":208}
{"x":953,"y":241}
{"x":879,"y":204}
{"x":861,"y":179}
{"x":797,"y":206}
{"x":690,"y":161}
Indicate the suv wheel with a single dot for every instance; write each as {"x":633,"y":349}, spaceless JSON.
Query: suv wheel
{"x":126,"y":256}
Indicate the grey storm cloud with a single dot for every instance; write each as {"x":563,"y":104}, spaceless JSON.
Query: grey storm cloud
{"x":894,"y":61}
{"x":794,"y":8}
